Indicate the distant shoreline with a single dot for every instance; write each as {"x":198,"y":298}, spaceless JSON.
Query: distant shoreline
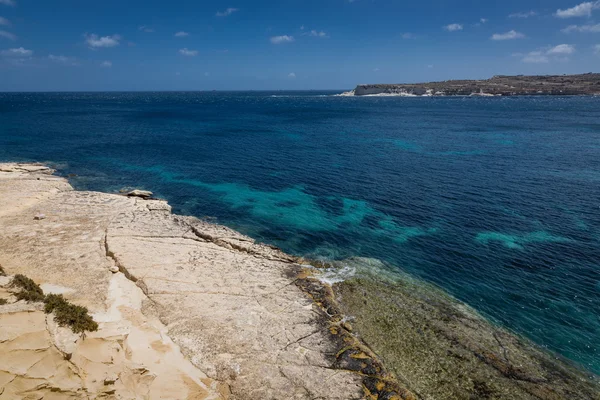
{"x":500,"y":85}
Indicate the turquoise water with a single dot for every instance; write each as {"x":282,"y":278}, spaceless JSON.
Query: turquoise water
{"x":497,"y":200}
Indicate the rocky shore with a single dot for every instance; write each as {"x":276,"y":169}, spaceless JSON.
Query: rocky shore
{"x":501,"y":85}
{"x":187,"y":309}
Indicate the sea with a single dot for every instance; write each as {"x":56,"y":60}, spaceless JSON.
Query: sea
{"x":495,"y":200}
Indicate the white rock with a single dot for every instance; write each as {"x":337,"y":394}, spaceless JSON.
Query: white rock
{"x":144,"y":194}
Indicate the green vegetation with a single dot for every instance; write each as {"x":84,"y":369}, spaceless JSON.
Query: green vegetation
{"x":65,"y":313}
{"x":30,"y":291}
{"x":76,"y":317}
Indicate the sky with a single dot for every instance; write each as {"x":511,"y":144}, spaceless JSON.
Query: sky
{"x":85,"y":45}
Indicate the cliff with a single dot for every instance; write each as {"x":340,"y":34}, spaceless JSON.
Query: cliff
{"x":584,"y":84}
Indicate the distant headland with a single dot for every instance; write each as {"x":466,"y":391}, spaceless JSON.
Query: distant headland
{"x":499,"y":85}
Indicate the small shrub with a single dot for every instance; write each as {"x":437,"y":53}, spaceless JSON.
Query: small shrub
{"x":3,"y":302}
{"x":53,"y":301}
{"x":2,"y":273}
{"x":65,"y":313}
{"x":30,"y":291}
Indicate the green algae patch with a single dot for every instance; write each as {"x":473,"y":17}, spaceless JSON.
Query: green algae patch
{"x":437,"y":347}
{"x":351,"y":353}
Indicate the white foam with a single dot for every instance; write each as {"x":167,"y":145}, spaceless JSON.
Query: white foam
{"x":345,"y":94}
{"x":335,"y":275}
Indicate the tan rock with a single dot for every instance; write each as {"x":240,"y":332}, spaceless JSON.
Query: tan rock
{"x":144,"y":194}
{"x":201,"y":311}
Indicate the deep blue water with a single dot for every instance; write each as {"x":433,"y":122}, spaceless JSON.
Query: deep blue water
{"x":496,"y":200}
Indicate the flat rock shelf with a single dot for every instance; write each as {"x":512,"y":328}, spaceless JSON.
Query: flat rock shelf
{"x":193,"y":310}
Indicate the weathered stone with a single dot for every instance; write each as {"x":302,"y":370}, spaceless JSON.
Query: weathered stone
{"x":204,"y":312}
{"x":144,"y":194}
{"x":201,"y":311}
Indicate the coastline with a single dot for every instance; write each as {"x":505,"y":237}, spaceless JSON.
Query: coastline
{"x":499,"y":85}
{"x":234,"y":318}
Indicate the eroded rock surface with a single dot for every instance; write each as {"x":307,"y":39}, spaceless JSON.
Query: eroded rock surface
{"x":192,"y":310}
{"x":197,"y":310}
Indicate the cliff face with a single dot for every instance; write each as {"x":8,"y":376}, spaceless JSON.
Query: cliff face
{"x":584,"y":84}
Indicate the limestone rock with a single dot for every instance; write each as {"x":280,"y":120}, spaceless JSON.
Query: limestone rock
{"x":190,"y":309}
{"x":144,"y":194}
{"x":199,"y":311}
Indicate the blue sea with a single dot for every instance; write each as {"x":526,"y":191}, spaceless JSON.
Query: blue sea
{"x":496,"y":200}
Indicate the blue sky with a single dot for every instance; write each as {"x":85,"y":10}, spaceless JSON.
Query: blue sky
{"x":287,"y":44}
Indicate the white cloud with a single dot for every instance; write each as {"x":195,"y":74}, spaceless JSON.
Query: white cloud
{"x":59,"y":59}
{"x":320,"y":34}
{"x":4,"y":21}
{"x":597,"y":49}
{"x":187,"y":52}
{"x":95,"y":42}
{"x":206,"y":74}
{"x":523,"y":14}
{"x":482,"y":21}
{"x":302,"y":27}
{"x":291,"y":75}
{"x":18,"y":52}
{"x":580,"y":10}
{"x":227,"y":12}
{"x":375,"y":69}
{"x":8,"y":3}
{"x":63,"y":60}
{"x":535,"y":57}
{"x":8,"y":35}
{"x":408,"y":35}
{"x":282,"y":39}
{"x":430,"y":66}
{"x":562,"y":49}
{"x":559,"y":53}
{"x":146,"y":29}
{"x":106,"y":64}
{"x":582,"y":28}
{"x":510,"y":35}
{"x":453,"y":27}
{"x":182,"y":34}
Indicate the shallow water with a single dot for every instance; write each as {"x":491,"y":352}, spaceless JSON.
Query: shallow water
{"x":497,"y":200}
